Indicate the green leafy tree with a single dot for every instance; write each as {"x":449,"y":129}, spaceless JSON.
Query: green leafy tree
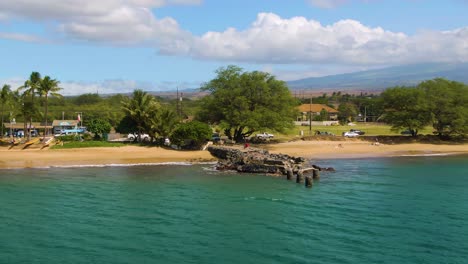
{"x":191,"y":135}
{"x":88,"y":99}
{"x":346,"y":112}
{"x":4,"y":97}
{"x":323,"y":115}
{"x":406,"y":108}
{"x":127,"y":125}
{"x":141,"y":108}
{"x":48,"y":87}
{"x":98,"y":126}
{"x":447,"y":101}
{"x":245,"y":102}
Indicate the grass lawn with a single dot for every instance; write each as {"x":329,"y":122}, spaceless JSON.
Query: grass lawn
{"x":87,"y":144}
{"x":370,"y":129}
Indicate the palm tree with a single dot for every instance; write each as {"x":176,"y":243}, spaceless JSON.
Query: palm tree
{"x":30,"y":87}
{"x":141,"y":108}
{"x":47,"y":87}
{"x":165,"y":122}
{"x":4,"y":95}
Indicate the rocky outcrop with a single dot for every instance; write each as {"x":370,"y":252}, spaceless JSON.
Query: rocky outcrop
{"x":254,"y":160}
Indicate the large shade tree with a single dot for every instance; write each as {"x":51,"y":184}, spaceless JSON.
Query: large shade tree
{"x":244,"y":102}
{"x":447,"y":101}
{"x":48,"y":87}
{"x":406,"y":108}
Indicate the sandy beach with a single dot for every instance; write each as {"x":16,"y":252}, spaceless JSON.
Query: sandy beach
{"x":37,"y":158}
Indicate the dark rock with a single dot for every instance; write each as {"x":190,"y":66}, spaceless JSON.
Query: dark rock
{"x":254,"y":160}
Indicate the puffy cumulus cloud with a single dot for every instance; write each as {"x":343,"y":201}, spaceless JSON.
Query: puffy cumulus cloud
{"x":70,"y":9}
{"x":108,"y":21}
{"x":272,"y":39}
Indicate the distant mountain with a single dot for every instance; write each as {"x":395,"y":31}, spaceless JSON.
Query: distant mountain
{"x":374,"y":80}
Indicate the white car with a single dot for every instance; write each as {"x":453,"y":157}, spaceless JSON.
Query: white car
{"x":350,"y":134}
{"x":265,"y":135}
{"x":144,"y":137}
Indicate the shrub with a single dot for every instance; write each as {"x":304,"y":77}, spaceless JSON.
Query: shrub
{"x":191,"y":135}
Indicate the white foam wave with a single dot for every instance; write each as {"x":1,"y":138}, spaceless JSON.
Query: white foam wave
{"x":427,"y":154}
{"x":119,"y":165}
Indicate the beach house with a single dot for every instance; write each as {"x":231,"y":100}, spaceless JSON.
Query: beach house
{"x":317,"y":112}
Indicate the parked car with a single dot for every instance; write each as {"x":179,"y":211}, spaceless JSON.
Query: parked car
{"x":264,"y":135}
{"x":406,"y":132}
{"x":133,"y":136}
{"x":357,"y":131}
{"x":350,"y":134}
{"x":215,"y":137}
{"x":323,"y":133}
{"x":20,"y":133}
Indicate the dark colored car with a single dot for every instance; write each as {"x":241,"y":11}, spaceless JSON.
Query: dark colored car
{"x":406,"y":132}
{"x":215,"y":137}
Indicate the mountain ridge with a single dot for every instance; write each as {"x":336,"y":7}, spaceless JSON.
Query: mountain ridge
{"x":380,"y":79}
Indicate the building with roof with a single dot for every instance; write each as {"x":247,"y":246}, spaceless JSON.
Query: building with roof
{"x":307,"y":111}
{"x":60,"y":125}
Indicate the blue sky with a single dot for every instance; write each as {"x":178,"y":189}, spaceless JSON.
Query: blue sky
{"x":119,"y":45}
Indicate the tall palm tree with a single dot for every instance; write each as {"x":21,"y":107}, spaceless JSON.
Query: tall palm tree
{"x":48,"y":87}
{"x":30,"y":87}
{"x":4,"y":95}
{"x":141,"y":107}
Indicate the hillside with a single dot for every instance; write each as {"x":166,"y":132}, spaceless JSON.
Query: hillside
{"x":380,"y":79}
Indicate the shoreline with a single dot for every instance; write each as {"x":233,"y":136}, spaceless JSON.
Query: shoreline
{"x":352,"y":149}
{"x":149,"y":156}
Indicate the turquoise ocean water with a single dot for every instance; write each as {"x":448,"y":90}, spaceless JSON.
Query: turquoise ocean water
{"x":389,"y":210}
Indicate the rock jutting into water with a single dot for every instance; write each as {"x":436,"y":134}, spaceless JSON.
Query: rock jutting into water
{"x":255,"y":160}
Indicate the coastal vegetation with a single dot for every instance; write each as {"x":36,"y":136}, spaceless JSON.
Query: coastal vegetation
{"x":241,"y":103}
{"x":87,"y":144}
{"x":439,"y":102}
{"x":238,"y":104}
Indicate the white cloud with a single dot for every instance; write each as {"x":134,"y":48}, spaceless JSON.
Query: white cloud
{"x":22,"y":37}
{"x":327,"y":3}
{"x":77,"y":88}
{"x":108,"y":21}
{"x":70,"y":88}
{"x":272,"y":39}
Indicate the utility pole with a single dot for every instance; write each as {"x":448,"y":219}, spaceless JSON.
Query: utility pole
{"x":365,"y":114}
{"x":177,"y":101}
{"x":12,"y":122}
{"x":310,"y":117}
{"x":181,"y":94}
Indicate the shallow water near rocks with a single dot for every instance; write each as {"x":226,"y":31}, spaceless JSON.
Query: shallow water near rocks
{"x":389,"y":210}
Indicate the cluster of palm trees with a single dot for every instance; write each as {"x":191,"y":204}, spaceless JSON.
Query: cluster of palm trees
{"x":149,"y":116}
{"x":23,"y":101}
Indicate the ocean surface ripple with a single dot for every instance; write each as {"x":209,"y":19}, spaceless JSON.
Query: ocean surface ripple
{"x":397,"y":210}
